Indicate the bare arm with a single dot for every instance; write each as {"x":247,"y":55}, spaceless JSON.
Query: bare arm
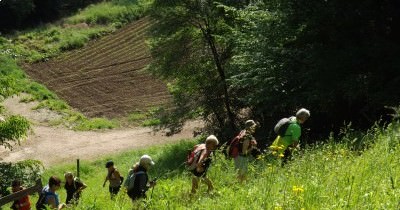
{"x":81,"y":188}
{"x":104,"y":184}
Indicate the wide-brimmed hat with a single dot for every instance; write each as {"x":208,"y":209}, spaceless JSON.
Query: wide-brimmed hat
{"x":146,"y":160}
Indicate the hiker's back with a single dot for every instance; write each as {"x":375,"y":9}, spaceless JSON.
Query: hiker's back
{"x":44,"y":196}
{"x":114,"y":180}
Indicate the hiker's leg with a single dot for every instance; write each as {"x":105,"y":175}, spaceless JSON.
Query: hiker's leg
{"x":209,"y":184}
{"x":243,"y":166}
{"x":286,"y":156}
{"x":195,"y":184}
{"x":113,"y":191}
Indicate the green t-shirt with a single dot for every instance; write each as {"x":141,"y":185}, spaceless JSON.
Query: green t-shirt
{"x":292,"y":134}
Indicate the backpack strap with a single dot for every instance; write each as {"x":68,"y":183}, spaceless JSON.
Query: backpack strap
{"x":289,"y":123}
{"x":139,"y":172}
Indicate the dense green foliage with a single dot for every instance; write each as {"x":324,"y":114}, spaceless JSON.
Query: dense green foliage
{"x":27,"y":171}
{"x":332,"y":175}
{"x":12,"y":130}
{"x":265,"y":59}
{"x":191,"y":46}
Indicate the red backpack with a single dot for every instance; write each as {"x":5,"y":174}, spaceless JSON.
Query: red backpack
{"x":193,"y":157}
{"x":235,"y":146}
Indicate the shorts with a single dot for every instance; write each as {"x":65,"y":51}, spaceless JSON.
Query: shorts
{"x":199,"y":174}
{"x":114,"y":190}
{"x":241,"y":164}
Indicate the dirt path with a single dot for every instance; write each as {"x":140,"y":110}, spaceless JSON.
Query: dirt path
{"x":56,"y":144}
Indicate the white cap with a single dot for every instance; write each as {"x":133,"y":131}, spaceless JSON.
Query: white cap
{"x":146,"y":160}
{"x":303,"y":113}
{"x":212,"y":138}
{"x":250,"y":123}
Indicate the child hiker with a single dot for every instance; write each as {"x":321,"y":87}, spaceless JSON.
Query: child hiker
{"x":200,"y":161}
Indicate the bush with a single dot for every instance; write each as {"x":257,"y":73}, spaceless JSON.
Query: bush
{"x":28,"y":171}
{"x":12,"y":130}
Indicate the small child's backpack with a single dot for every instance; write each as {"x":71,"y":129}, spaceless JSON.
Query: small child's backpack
{"x":236,"y":145}
{"x":282,"y":125}
{"x":193,"y":157}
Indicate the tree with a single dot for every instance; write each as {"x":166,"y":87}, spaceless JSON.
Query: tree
{"x":337,"y":58}
{"x":191,"y":46}
{"x":13,"y":14}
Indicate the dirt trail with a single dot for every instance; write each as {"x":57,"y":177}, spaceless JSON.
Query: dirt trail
{"x":57,"y":144}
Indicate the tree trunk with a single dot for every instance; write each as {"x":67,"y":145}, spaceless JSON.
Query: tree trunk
{"x":221,"y":73}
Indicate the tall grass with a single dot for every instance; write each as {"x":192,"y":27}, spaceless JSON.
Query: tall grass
{"x":73,"y":32}
{"x":108,"y":13}
{"x":323,"y":176}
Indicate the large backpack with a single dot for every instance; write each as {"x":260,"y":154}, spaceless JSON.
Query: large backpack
{"x":193,"y":157}
{"x":130,"y":180}
{"x":236,"y":145}
{"x":282,"y":125}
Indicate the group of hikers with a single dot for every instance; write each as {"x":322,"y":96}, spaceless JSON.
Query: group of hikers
{"x":137,"y":182}
{"x":48,"y":196}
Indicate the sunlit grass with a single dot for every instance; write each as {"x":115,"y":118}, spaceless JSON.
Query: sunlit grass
{"x":323,"y":176}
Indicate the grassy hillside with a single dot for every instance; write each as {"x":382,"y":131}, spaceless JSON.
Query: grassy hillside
{"x":47,"y":41}
{"x":324,"y":176}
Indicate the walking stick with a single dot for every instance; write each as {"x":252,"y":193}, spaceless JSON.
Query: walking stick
{"x":154,"y":181}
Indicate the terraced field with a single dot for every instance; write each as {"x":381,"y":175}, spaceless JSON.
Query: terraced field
{"x":106,"y":77}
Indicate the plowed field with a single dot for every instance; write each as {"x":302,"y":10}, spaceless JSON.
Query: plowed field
{"x":105,"y":78}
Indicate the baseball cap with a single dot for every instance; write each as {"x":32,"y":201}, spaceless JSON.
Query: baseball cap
{"x":109,"y":164}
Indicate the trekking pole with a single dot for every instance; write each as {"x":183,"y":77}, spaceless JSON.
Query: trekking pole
{"x":77,"y":167}
{"x":154,"y":181}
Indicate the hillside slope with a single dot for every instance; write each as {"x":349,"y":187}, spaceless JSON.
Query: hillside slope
{"x":106,"y":77}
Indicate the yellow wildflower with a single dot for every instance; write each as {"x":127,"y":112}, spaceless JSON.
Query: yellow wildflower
{"x":298,"y":189}
{"x":281,"y":155}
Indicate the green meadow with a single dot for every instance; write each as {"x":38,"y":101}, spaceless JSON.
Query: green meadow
{"x":322,"y":176}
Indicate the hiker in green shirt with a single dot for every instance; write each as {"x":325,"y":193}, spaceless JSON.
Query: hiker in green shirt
{"x":284,"y":144}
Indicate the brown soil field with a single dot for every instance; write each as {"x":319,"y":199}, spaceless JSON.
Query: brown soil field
{"x":106,"y":78}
